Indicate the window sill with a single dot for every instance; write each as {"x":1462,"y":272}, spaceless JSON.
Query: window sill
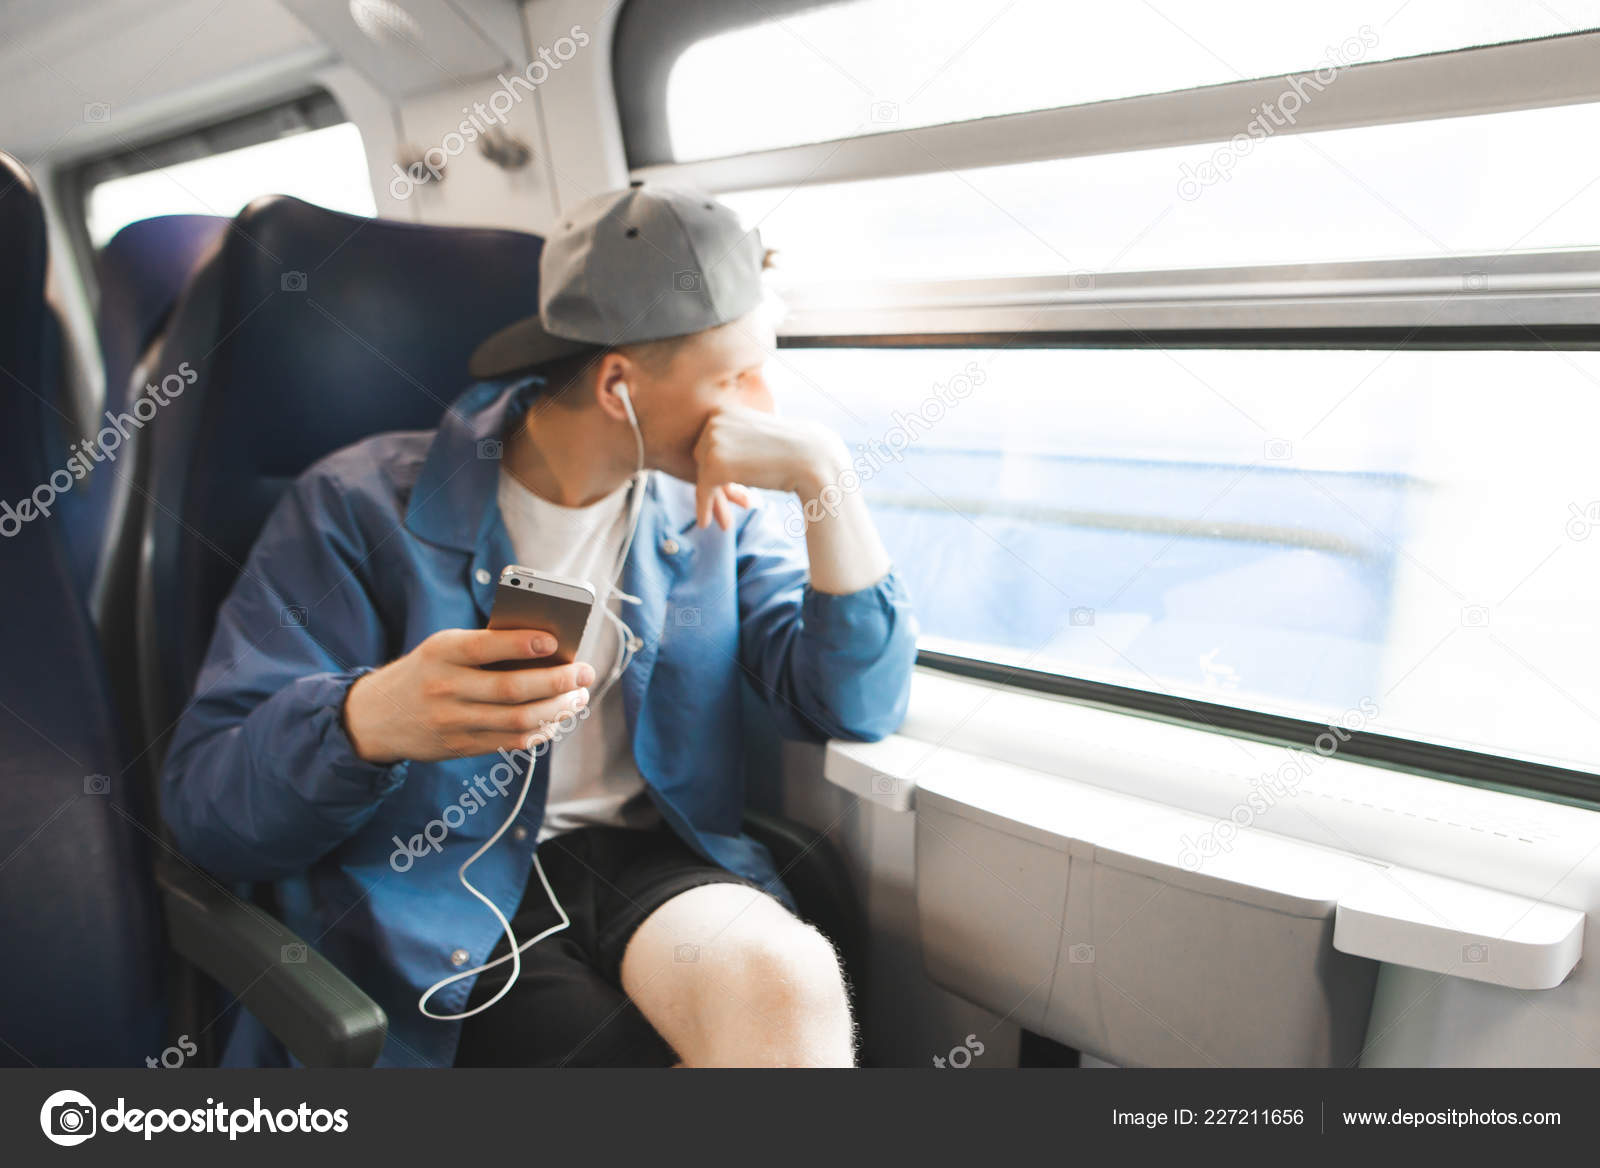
{"x":1095,"y":799}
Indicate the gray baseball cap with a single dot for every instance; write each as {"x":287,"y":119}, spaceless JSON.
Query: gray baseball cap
{"x":641,"y":264}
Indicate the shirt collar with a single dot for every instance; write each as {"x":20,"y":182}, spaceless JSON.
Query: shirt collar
{"x":455,"y":502}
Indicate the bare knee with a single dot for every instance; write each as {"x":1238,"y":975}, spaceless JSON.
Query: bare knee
{"x":776,"y":998}
{"x":789,"y":971}
{"x":731,"y":981}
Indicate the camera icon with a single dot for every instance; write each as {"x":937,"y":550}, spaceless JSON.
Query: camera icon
{"x":687,"y":280}
{"x":687,"y":618}
{"x":686,"y":954}
{"x":1278,"y":450}
{"x":292,"y":281}
{"x":1475,"y":954}
{"x":490,"y":448}
{"x":1584,"y":520}
{"x":1081,"y":618}
{"x":294,"y":954}
{"x":97,"y":111}
{"x":1475,"y":616}
{"x":884,"y":785}
{"x":97,"y":785}
{"x":1081,"y":954}
{"x":293,"y":616}
{"x":1080,"y":281}
{"x":1475,"y":282}
{"x":72,"y":1122}
{"x":883,"y":112}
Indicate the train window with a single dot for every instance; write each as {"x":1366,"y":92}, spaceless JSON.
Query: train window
{"x":1408,"y":189}
{"x":820,"y":73}
{"x":1327,"y":534}
{"x":303,"y":148}
{"x":1320,"y":514}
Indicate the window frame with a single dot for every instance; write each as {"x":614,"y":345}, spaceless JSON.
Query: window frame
{"x":649,"y":37}
{"x":1415,"y":756}
{"x":1557,"y":291}
{"x":1513,"y":300}
{"x":313,"y":106}
{"x":1530,"y":74}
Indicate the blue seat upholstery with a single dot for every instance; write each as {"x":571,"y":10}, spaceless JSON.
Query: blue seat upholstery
{"x":141,"y":271}
{"x":82,"y":980}
{"x":308,"y":330}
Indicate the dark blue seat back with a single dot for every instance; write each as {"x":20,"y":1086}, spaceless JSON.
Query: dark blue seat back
{"x":141,"y":271}
{"x":81,"y":984}
{"x":307,"y":330}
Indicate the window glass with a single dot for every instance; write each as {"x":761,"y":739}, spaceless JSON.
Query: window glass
{"x":1483,"y":184}
{"x":874,"y":65}
{"x":1301,"y":532}
{"x":327,"y":167}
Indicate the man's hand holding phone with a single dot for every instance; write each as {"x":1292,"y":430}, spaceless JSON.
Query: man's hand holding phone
{"x":438,"y":701}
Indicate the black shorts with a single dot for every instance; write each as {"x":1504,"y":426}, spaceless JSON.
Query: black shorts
{"x":567,"y":1008}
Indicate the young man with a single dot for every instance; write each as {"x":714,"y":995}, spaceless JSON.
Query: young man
{"x":358,"y":754}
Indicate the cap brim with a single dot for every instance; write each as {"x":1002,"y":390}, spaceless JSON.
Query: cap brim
{"x":522,"y":346}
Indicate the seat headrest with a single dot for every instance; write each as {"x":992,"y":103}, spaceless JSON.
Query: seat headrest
{"x":141,"y":271}
{"x":307,"y":330}
{"x":322,"y":328}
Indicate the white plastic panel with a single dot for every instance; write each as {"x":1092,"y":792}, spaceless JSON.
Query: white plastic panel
{"x":1183,"y":972}
{"x":1140,"y":961}
{"x":1465,"y":930}
{"x":1086,"y":914}
{"x":1384,"y":912}
{"x":877,"y":771}
{"x":989,"y":907}
{"x":418,"y":47}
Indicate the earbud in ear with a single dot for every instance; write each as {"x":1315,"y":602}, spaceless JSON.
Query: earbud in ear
{"x":627,"y":402}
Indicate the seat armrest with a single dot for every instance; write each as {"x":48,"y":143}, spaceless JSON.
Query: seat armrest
{"x":317,"y":1012}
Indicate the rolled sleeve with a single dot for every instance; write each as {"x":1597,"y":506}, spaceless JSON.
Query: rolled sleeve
{"x":332,"y":767}
{"x":830,"y":665}
{"x":864,"y":623}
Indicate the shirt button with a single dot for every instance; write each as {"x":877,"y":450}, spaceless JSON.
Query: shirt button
{"x":460,"y":957}
{"x":519,"y":833}
{"x":669,"y":546}
{"x":482,"y":576}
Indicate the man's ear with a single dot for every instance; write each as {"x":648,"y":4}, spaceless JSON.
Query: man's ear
{"x":615,"y":371}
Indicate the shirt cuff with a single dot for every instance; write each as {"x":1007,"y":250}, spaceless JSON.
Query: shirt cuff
{"x":860,"y":622}
{"x":327,"y":693}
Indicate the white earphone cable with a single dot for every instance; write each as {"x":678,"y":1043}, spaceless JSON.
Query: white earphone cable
{"x":629,"y":645}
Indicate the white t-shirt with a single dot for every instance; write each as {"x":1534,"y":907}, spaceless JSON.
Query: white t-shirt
{"x":593,"y":778}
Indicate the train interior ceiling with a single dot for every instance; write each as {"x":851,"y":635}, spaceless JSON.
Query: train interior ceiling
{"x":1224,"y":389}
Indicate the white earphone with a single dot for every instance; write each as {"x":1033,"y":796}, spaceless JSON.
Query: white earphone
{"x":630,"y":645}
{"x":633,"y":422}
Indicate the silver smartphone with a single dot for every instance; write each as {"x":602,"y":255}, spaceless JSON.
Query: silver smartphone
{"x":529,"y":599}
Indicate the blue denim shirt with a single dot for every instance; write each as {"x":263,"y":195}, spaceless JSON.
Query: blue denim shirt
{"x":386,"y":542}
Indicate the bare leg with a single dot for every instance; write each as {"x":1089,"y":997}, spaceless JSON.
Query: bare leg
{"x":731,"y":978}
